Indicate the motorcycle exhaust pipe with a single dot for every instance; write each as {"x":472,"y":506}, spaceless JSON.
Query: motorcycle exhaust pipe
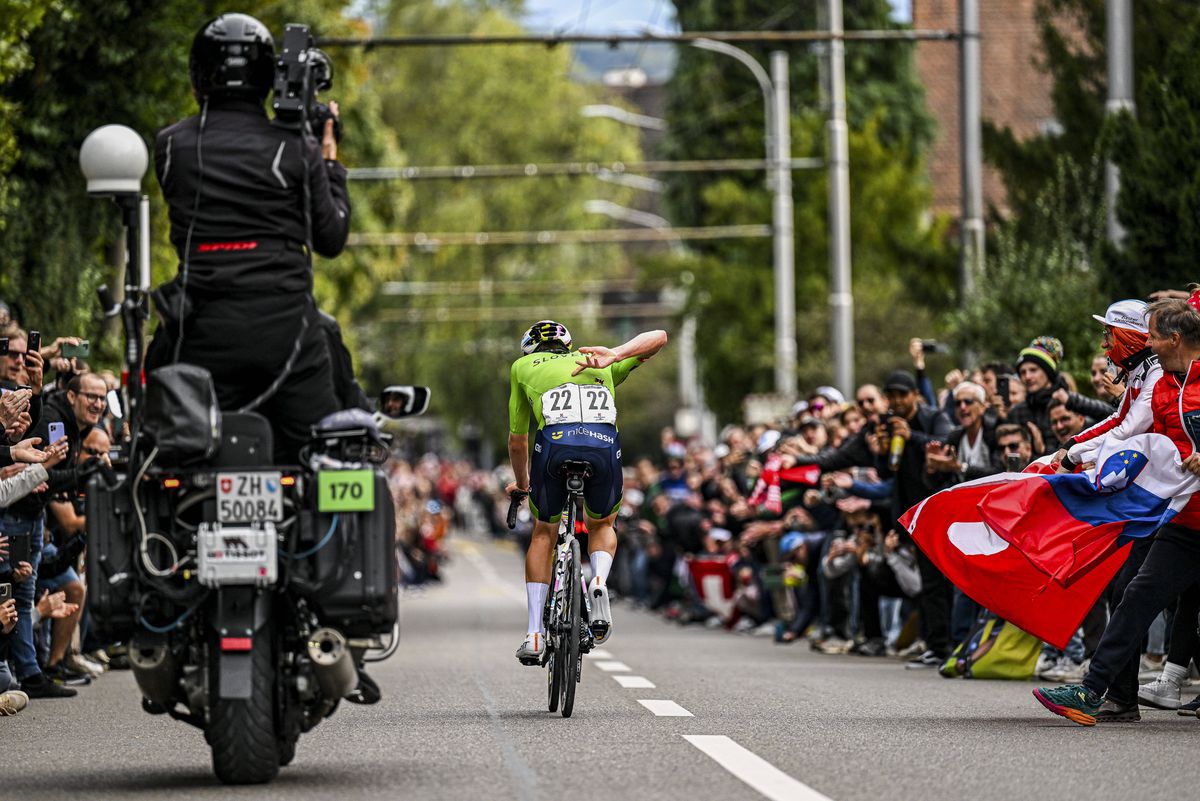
{"x":333,"y":663}
{"x":154,"y":670}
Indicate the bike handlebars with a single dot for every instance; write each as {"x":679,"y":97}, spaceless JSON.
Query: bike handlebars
{"x":515,"y":498}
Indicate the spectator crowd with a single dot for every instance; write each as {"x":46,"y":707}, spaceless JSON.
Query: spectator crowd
{"x":790,"y":527}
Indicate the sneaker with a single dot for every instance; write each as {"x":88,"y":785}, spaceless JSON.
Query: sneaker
{"x":601,"y":612}
{"x":1045,"y":664}
{"x":834,"y":645}
{"x":1112,"y":712}
{"x":1161,"y":694}
{"x":1190,"y":708}
{"x":926,"y":660}
{"x":39,"y":686}
{"x":12,"y":702}
{"x":532,"y":649}
{"x":914,"y":650}
{"x":1065,"y":671}
{"x":1074,"y":702}
{"x":81,"y":664}
{"x":873,"y":647}
{"x":61,"y":674}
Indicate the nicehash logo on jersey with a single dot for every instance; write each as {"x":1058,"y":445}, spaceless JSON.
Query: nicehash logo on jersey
{"x":587,"y":432}
{"x":557,"y":435}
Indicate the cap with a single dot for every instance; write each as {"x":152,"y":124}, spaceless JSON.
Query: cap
{"x":831,"y":394}
{"x":799,"y":408}
{"x":901,"y":381}
{"x":808,"y":420}
{"x":768,"y":440}
{"x":1130,"y":314}
{"x":720,"y":534}
{"x":790,"y":542}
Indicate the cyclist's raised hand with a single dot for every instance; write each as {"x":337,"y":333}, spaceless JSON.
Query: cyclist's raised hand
{"x":596,"y":358}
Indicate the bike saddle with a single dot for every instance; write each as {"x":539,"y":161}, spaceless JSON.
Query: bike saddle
{"x":573,"y":467}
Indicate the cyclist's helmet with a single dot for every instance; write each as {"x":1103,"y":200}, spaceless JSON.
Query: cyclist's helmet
{"x":545,"y":331}
{"x":232,"y":55}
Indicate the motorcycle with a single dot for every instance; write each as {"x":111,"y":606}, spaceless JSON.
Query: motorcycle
{"x":249,"y":594}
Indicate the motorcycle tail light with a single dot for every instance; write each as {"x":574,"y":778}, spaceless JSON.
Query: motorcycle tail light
{"x":171,"y":483}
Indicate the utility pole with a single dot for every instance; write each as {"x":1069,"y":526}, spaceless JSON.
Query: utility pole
{"x":841,"y":299}
{"x":970,"y":130}
{"x":783,"y":224}
{"x":1119,"y":44}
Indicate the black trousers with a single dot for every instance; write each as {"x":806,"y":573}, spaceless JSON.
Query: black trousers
{"x":1123,"y":686}
{"x":245,"y":342}
{"x":1172,"y":566}
{"x":933,"y":603}
{"x":877,"y":582}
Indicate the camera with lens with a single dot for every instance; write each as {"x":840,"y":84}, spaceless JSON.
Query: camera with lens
{"x":302,"y":71}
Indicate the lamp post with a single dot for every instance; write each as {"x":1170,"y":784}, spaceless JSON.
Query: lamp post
{"x":693,"y":415}
{"x":113,"y":159}
{"x":776,"y":109}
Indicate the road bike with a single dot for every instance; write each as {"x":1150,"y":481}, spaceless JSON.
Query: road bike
{"x":566,"y":613}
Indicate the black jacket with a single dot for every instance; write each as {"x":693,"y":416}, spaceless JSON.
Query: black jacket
{"x":927,"y":425}
{"x":65,"y":477}
{"x":1089,"y":407}
{"x":854,"y":452}
{"x":250,"y":230}
{"x":1036,"y":408}
{"x":939,"y":481}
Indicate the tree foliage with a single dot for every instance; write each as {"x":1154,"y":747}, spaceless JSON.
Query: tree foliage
{"x":1043,"y":280}
{"x":901,"y":262}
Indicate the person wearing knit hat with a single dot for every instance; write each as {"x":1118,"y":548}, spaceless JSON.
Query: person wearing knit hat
{"x":1037,"y":365}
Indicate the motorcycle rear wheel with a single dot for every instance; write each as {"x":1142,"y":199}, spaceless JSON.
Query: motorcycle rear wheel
{"x":241,"y":732}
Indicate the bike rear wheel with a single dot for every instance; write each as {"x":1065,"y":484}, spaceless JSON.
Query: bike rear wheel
{"x":569,"y":655}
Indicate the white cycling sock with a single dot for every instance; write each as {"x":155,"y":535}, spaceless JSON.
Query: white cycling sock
{"x":601,"y":564}
{"x":536,"y":592}
{"x":1174,"y":673}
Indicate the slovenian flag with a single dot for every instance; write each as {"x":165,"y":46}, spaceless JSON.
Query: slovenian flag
{"x":1038,"y":549}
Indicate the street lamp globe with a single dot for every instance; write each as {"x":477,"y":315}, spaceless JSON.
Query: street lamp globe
{"x":113,"y":159}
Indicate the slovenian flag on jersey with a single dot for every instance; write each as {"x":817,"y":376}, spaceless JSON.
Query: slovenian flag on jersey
{"x":1038,"y":549}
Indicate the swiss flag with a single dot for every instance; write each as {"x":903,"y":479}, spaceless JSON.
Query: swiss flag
{"x":949,"y":528}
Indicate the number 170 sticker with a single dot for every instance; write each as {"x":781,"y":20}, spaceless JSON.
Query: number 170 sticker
{"x":345,"y":491}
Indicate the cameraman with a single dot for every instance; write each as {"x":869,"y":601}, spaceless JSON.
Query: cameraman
{"x":248,"y":198}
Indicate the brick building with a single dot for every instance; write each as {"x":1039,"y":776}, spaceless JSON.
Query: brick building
{"x":1016,"y":93}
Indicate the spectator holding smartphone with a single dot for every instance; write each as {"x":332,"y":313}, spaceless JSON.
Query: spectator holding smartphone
{"x":76,"y":411}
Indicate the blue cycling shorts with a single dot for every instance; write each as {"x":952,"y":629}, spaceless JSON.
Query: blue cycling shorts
{"x":597,"y":444}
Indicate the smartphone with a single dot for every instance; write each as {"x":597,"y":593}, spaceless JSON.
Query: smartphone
{"x":18,"y":549}
{"x":56,"y":432}
{"x":1002,"y":389}
{"x":34,"y":342}
{"x":82,"y":350}
{"x":3,"y":346}
{"x":5,"y":592}
{"x":933,"y":346}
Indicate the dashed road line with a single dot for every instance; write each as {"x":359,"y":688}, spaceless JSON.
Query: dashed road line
{"x":665,"y":709}
{"x":599,"y":653}
{"x":753,"y":769}
{"x":635,"y":682}
{"x":614,"y":667}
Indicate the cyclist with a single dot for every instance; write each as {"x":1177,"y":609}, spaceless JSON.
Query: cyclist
{"x":572,"y":396}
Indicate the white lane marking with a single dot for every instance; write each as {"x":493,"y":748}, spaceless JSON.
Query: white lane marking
{"x":613,"y":667}
{"x":635,"y":682}
{"x":599,"y":653}
{"x":665,"y":709}
{"x":753,"y":769}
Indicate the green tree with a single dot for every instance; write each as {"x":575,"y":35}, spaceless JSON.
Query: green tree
{"x":458,"y":324}
{"x":1044,"y":281}
{"x":1159,"y":156}
{"x":901,"y":262}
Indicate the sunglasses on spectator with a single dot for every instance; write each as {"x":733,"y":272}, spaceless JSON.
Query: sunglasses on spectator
{"x":1014,"y":447}
{"x":965,"y":401}
{"x":93,"y":451}
{"x":13,"y":353}
{"x":866,"y":401}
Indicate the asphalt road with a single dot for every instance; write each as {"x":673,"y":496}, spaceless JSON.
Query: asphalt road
{"x":461,"y":719}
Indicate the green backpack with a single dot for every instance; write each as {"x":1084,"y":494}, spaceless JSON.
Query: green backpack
{"x":994,"y":649}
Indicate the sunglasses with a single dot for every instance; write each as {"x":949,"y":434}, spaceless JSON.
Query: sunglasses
{"x":1011,"y":447}
{"x":866,"y":401}
{"x":94,"y":451}
{"x":965,"y":401}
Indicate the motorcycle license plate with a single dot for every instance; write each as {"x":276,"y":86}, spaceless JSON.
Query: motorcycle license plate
{"x":249,"y":497}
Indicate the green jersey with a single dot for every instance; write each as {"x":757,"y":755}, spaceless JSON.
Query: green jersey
{"x":542,"y":384}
